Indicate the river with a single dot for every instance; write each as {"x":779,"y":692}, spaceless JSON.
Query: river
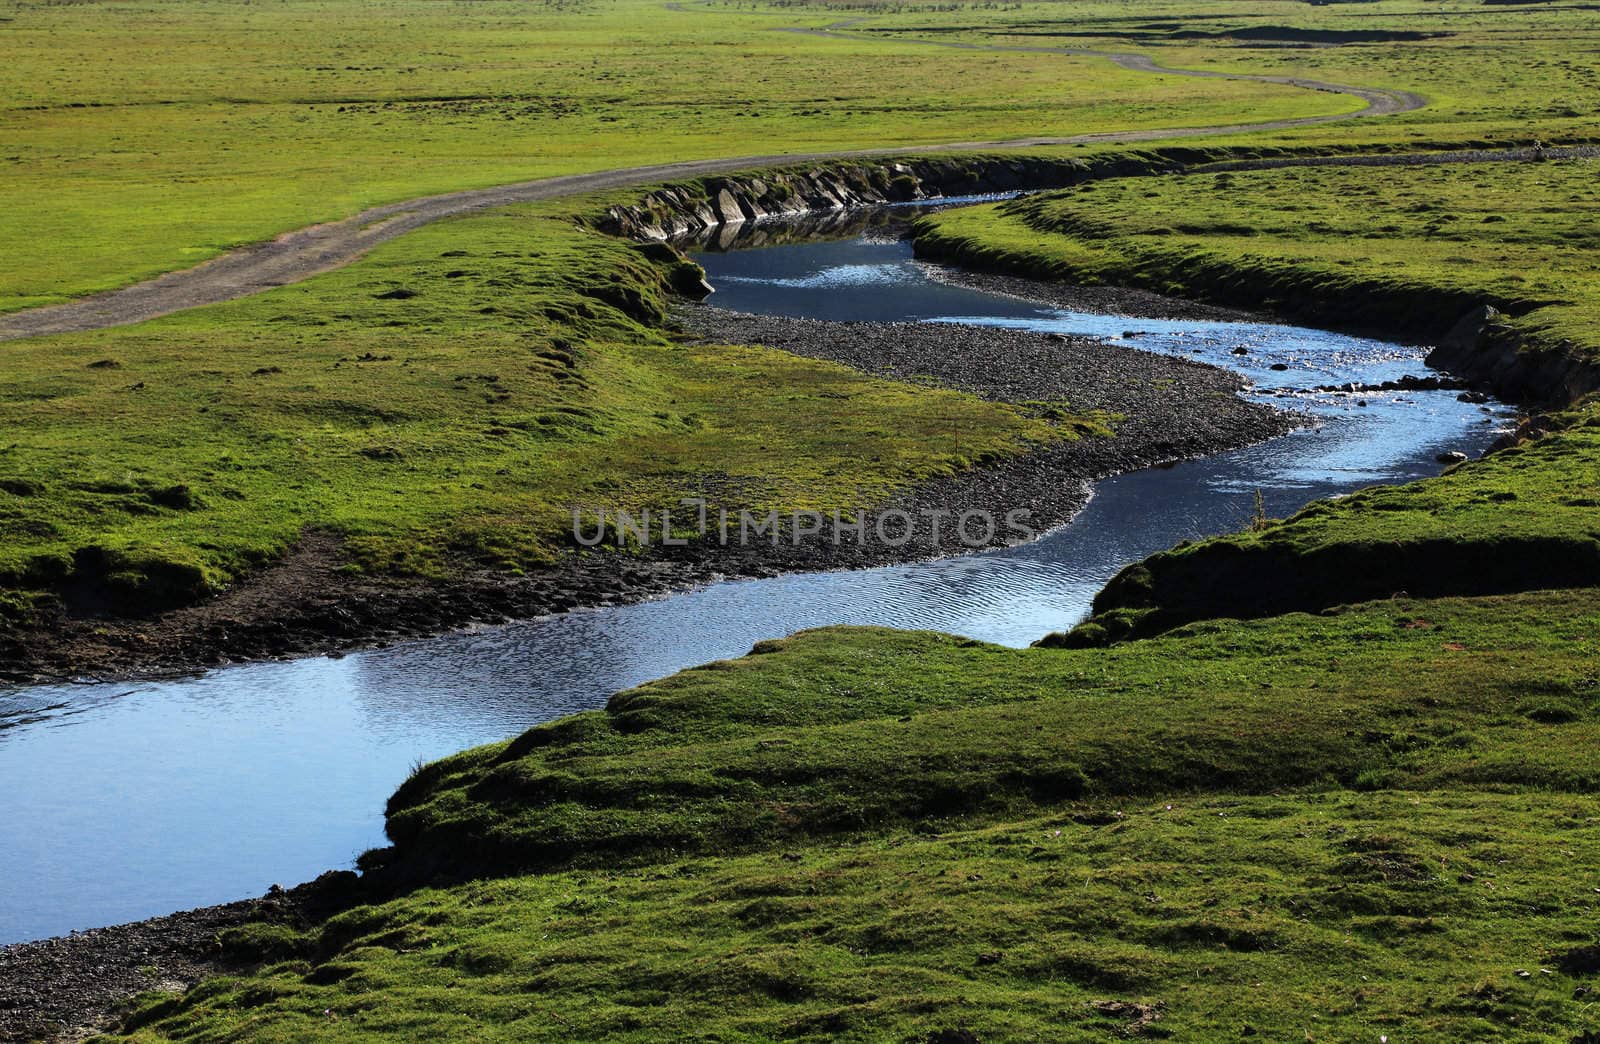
{"x":133,"y":799}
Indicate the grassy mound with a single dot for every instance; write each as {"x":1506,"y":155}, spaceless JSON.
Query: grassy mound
{"x":1342,"y":916}
{"x":840,"y":731}
{"x":1361,"y":823}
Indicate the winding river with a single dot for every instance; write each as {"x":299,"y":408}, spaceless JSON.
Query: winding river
{"x":134,"y":799}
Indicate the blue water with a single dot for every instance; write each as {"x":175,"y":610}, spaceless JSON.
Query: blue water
{"x":129,"y":800}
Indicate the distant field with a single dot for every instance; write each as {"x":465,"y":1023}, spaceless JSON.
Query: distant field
{"x":138,"y":138}
{"x":1487,"y":70}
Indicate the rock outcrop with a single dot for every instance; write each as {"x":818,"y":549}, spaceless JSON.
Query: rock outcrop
{"x":675,"y":211}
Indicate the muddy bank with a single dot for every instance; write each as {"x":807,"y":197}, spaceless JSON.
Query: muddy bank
{"x":1170,"y":409}
{"x":1484,"y":347}
{"x":1099,"y":300}
{"x":717,"y":203}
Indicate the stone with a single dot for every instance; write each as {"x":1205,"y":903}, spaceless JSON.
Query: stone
{"x":1468,"y":331}
{"x":727,"y":208}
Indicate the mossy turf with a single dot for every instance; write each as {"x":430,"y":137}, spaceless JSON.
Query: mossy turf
{"x":1407,"y":249}
{"x":863,"y":729}
{"x":1339,"y":826}
{"x":449,"y":400}
{"x":1338,"y":916}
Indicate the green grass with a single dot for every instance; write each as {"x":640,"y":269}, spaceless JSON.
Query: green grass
{"x":1342,"y":916}
{"x":526,"y":375}
{"x":1406,"y":249}
{"x":144,"y":137}
{"x":1486,"y":70}
{"x":140,"y":138}
{"x":1341,"y":826}
{"x":846,"y":730}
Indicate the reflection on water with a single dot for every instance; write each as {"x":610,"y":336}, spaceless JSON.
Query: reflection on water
{"x":129,"y":800}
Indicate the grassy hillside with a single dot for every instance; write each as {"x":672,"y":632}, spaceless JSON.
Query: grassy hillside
{"x":1341,"y":826}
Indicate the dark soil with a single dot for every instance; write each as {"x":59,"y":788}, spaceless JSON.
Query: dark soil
{"x":78,"y":985}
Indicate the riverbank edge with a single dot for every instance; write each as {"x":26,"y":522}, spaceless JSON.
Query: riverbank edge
{"x":332,"y":612}
{"x":72,"y":987}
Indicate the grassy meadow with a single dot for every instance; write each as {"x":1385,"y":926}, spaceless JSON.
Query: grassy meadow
{"x":139,"y":138}
{"x":144,"y":137}
{"x":1366,"y":812}
{"x":169,"y":460}
{"x":1488,"y":71}
{"x":449,"y":399}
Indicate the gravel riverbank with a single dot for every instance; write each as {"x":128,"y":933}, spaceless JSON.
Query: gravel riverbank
{"x":1166,"y":410}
